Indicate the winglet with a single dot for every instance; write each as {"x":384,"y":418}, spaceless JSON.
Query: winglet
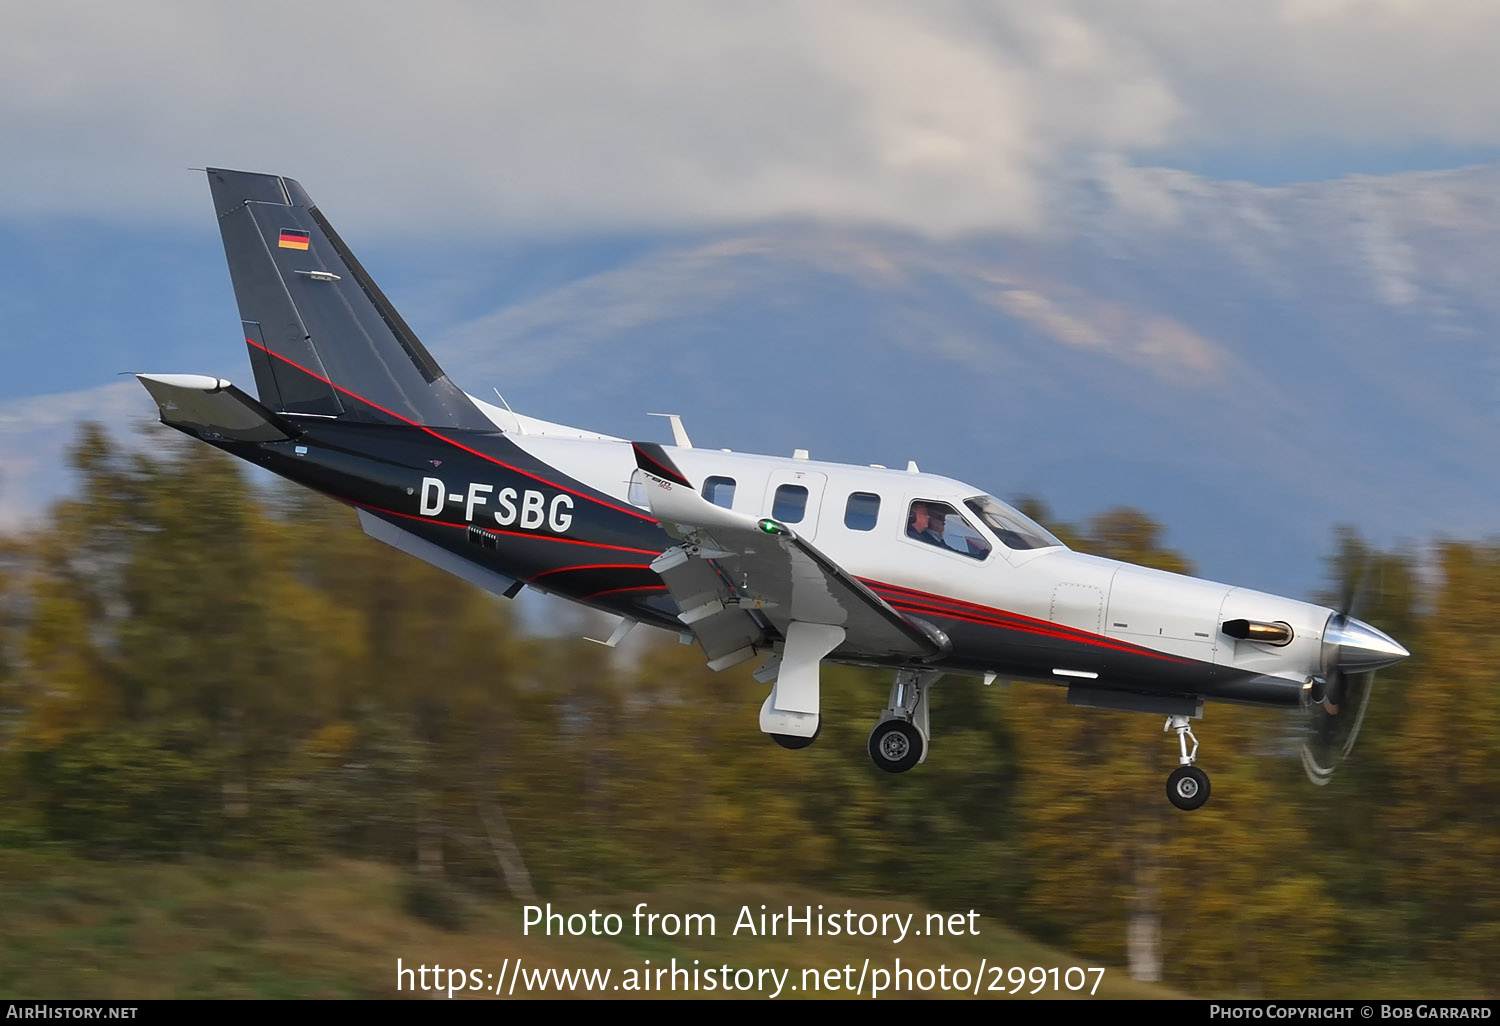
{"x":653,"y":459}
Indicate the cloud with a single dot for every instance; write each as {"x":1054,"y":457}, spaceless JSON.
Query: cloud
{"x":1365,"y":73}
{"x":530,"y":117}
{"x":514,"y":115}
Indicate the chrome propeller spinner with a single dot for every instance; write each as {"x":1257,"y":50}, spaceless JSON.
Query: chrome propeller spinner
{"x":1338,"y":700}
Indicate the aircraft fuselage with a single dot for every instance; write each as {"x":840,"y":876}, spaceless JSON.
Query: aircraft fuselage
{"x":555,"y":512}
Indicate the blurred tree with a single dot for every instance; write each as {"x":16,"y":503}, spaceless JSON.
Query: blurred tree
{"x":1444,"y":763}
{"x":945,"y":832}
{"x":65,"y":676}
{"x":124,"y":793}
{"x":13,"y":601}
{"x":1119,"y":873}
{"x":1089,"y":775}
{"x":188,"y":664}
{"x":1356,"y":838}
{"x":422,"y":683}
{"x":10,"y":614}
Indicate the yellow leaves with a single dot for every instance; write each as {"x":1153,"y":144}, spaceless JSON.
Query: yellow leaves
{"x":1445,"y":756}
{"x":1224,"y":885}
{"x":1104,"y":844}
{"x":266,"y":654}
{"x":333,"y":741}
{"x":61,"y":678}
{"x":1131,"y":536}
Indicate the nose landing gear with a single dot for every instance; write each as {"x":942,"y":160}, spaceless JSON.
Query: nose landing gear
{"x":1187,"y":785}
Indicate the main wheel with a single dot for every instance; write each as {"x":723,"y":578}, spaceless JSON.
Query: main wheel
{"x":896,"y":746}
{"x":1187,"y":787}
{"x":794,"y":742}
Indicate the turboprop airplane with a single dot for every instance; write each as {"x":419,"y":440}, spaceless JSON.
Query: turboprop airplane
{"x":786,"y":560}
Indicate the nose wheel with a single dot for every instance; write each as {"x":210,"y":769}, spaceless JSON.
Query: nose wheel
{"x":1187,"y":785}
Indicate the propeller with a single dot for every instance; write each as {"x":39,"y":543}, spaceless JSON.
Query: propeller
{"x":1337,"y":701}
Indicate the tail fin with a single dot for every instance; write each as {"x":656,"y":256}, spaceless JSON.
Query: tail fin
{"x":323,"y":338}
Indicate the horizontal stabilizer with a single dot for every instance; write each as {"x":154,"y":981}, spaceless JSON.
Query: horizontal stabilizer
{"x":212,"y":408}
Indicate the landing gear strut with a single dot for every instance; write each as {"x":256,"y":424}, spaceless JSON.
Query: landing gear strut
{"x":1187,"y":786}
{"x":901,"y":739}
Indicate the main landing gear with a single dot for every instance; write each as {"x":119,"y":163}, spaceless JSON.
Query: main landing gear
{"x":901,"y":739}
{"x":1187,"y":786}
{"x":794,"y":742}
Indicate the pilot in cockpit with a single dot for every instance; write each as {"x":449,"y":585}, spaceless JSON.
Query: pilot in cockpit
{"x":928,"y":523}
{"x":924,"y":526}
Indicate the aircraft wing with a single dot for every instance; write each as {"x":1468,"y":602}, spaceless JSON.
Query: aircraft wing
{"x":738,"y":578}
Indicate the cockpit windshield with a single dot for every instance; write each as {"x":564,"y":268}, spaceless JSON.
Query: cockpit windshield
{"x":1015,"y":530}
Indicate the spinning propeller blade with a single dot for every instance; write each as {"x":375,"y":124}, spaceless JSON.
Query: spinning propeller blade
{"x":1336,"y":703}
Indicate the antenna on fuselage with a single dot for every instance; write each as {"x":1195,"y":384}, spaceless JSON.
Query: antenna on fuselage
{"x":520,"y":428}
{"x":623,"y":628}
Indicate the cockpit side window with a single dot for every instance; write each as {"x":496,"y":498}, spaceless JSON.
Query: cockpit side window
{"x":939,"y":524}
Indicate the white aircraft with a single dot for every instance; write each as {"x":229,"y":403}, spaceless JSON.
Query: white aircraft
{"x":789,"y":561}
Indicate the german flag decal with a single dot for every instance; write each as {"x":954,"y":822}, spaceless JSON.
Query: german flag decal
{"x":293,"y":239}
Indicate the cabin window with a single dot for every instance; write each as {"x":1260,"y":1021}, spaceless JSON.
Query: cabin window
{"x":861,"y":511}
{"x":940,"y":525}
{"x":790,"y":504}
{"x":637,"y":494}
{"x":719,"y":491}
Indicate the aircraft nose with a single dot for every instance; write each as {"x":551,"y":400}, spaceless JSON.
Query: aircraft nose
{"x":1356,"y":647}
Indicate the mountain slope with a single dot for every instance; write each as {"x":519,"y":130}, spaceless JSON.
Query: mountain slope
{"x":1250,"y":365}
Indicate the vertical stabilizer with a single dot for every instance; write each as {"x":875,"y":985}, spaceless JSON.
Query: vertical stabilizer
{"x":323,"y":338}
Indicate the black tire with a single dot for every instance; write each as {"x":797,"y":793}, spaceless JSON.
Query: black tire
{"x":1187,"y":787}
{"x":794,"y":742}
{"x":896,"y":746}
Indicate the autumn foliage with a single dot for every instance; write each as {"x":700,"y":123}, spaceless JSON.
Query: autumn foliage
{"x":192,"y":666}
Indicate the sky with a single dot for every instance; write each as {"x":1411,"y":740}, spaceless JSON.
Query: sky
{"x":480,"y":152}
